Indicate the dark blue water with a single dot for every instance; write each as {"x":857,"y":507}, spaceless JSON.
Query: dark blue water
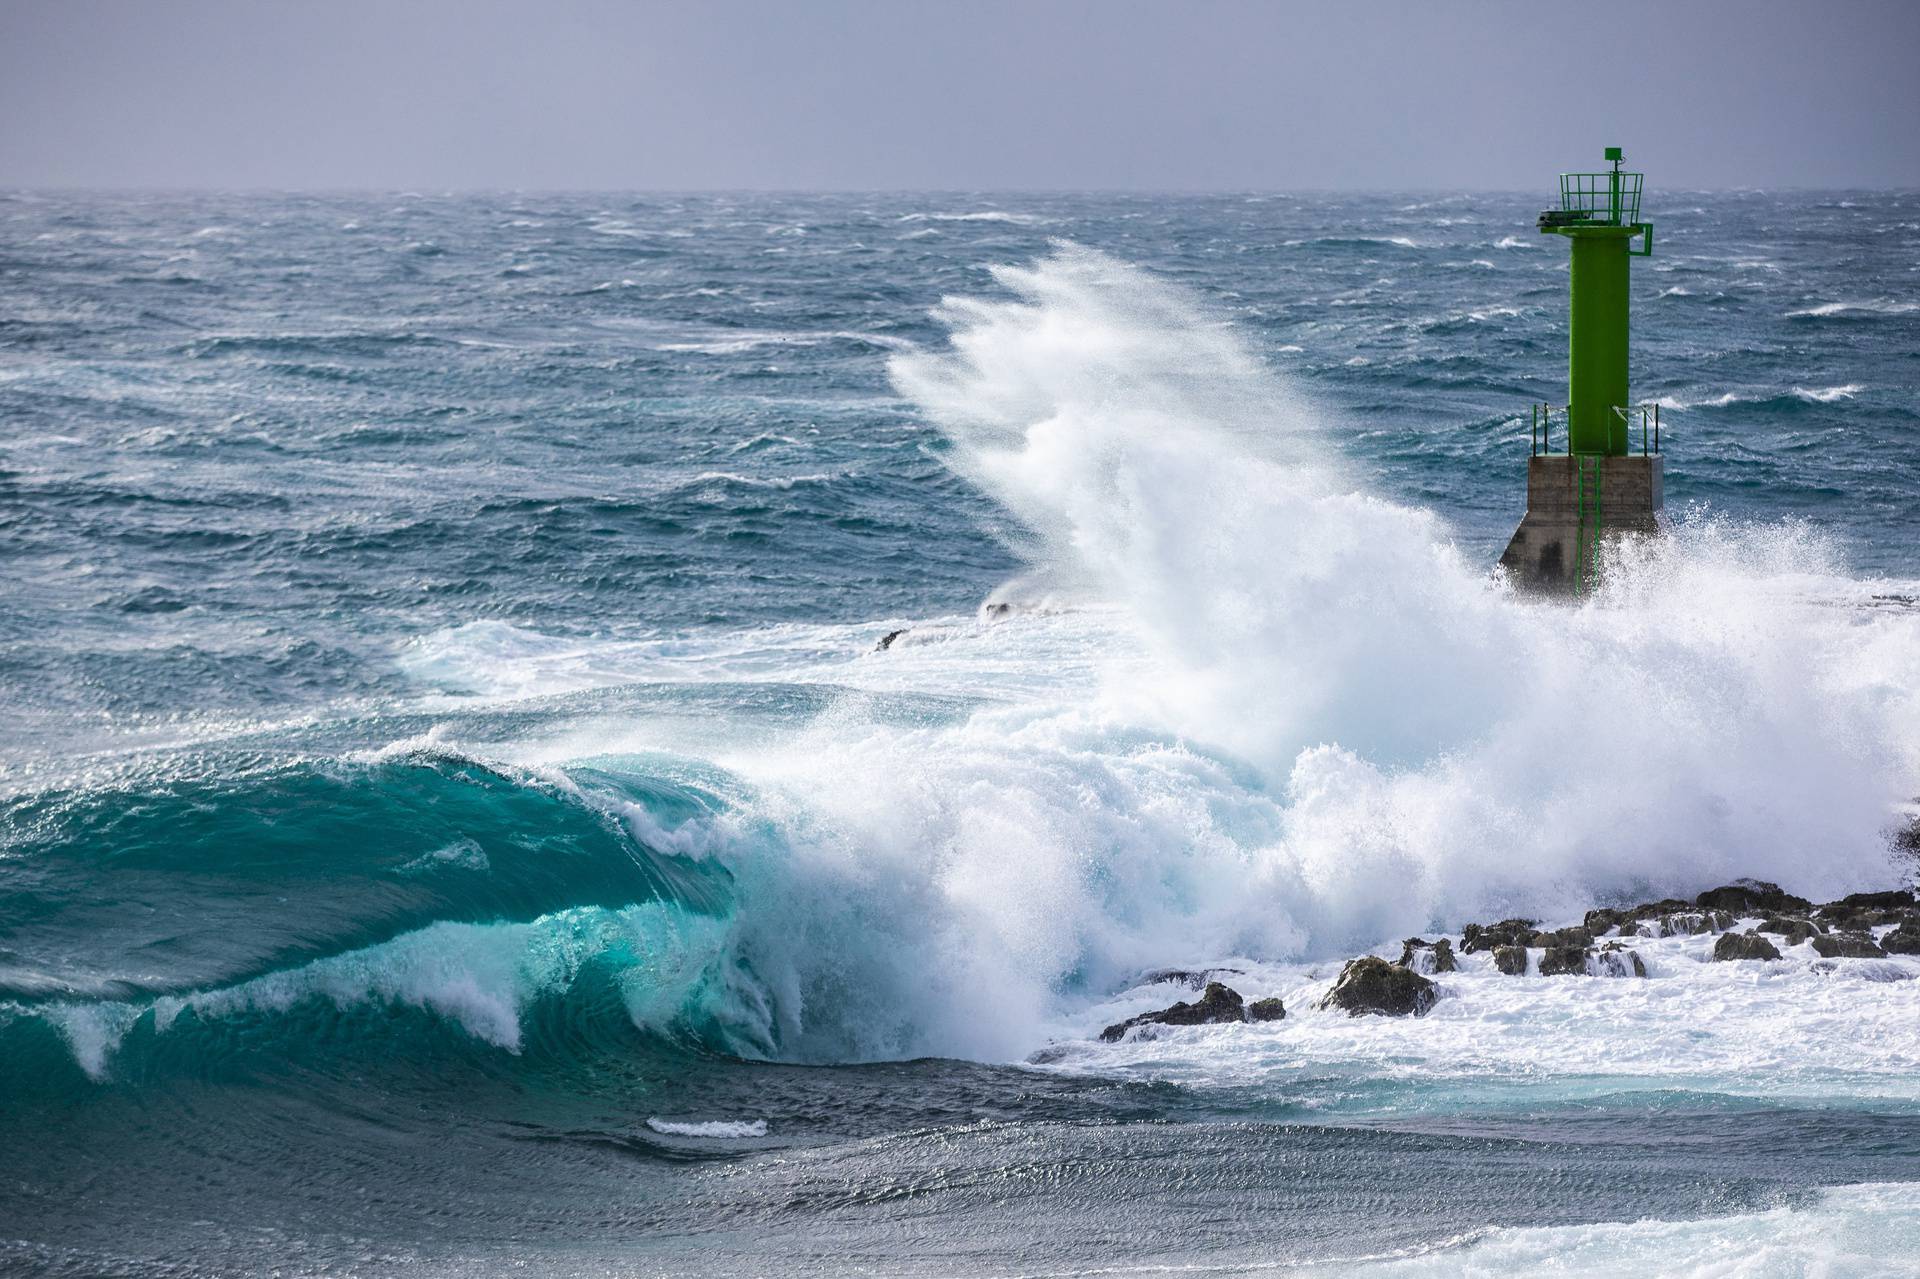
{"x":440,"y":732}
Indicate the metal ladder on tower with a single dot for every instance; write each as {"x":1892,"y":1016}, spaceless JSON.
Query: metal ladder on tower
{"x":1587,"y":474}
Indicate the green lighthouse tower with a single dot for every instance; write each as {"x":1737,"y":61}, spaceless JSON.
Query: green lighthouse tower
{"x":1607,"y":480}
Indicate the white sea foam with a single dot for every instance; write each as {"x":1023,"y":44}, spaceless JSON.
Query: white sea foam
{"x":984,"y":215}
{"x":721,"y":1128}
{"x":1878,"y":306}
{"x":1799,"y":1029}
{"x":1812,"y":395}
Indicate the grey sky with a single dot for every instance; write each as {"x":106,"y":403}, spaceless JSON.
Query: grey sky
{"x":855,"y":94}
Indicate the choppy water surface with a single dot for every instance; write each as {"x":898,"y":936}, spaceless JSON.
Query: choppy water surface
{"x":453,"y":813}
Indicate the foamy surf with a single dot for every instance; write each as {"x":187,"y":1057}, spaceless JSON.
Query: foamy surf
{"x":717,"y":1129}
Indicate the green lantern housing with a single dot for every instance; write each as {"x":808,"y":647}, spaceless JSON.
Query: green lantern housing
{"x":1600,"y":214}
{"x":1596,"y":488}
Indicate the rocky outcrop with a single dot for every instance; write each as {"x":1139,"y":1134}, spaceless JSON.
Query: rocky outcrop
{"x":1858,"y":911}
{"x":1217,"y":1004}
{"x":1266,"y":1010}
{"x":886,"y":641}
{"x":1371,"y":986}
{"x":1744,"y":946}
{"x":1424,"y":956}
{"x":1752,"y":897}
{"x":1847,"y":946}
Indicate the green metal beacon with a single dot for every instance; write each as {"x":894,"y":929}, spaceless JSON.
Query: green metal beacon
{"x":1605,"y":484}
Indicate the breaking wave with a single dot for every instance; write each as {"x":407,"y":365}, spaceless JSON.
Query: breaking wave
{"x":1263,"y":712}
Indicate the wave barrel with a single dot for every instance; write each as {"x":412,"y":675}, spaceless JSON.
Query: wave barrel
{"x":1606,"y":482}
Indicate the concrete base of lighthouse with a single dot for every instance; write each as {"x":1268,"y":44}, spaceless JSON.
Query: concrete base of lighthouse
{"x":1544,"y":548}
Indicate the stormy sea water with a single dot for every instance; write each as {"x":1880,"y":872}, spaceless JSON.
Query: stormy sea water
{"x":457,"y":814}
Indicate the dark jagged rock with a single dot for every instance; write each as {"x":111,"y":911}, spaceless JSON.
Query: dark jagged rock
{"x":1794,"y":930}
{"x":1423,"y":956}
{"x":1752,"y":897}
{"x":1561,"y":938}
{"x":1653,"y":910}
{"x":1847,"y":946}
{"x":1371,"y":986}
{"x":1511,"y":960}
{"x":1266,"y":1010}
{"x":1564,"y":961}
{"x":1744,"y":946}
{"x":996,"y":612}
{"x":1616,"y":959}
{"x":1508,"y":932}
{"x":886,"y":641}
{"x":1217,"y":1004}
{"x":1897,"y":899}
{"x":1904,"y":940}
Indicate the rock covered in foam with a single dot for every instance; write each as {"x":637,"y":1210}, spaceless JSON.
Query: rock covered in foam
{"x":1904,"y":940}
{"x":1371,"y":986}
{"x":1427,"y":957}
{"x":1615,"y":959}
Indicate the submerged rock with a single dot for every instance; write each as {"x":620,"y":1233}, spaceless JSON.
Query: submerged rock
{"x":1423,"y":956}
{"x":1266,"y":1009}
{"x":1752,"y":897}
{"x":1847,"y":946}
{"x":1870,"y":969}
{"x":1744,"y":946}
{"x":1217,"y":1004}
{"x":1511,"y":960}
{"x":1370,"y":985}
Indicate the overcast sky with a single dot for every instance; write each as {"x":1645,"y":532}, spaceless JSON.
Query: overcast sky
{"x":851,"y":94}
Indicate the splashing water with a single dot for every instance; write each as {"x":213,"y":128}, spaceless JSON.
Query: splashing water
{"x":1335,"y":728}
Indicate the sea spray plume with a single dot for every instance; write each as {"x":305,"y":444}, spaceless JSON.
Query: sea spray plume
{"x":1436,"y":743}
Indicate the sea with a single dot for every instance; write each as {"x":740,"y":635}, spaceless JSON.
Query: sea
{"x":605,"y":735}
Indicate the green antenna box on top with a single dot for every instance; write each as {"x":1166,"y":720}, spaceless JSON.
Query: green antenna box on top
{"x":1605,"y":483}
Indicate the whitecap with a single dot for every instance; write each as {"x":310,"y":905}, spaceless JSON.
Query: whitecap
{"x":710,"y":1128}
